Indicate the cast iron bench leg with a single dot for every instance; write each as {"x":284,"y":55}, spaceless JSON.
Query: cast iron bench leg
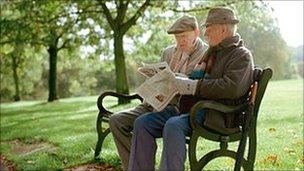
{"x":101,"y":135}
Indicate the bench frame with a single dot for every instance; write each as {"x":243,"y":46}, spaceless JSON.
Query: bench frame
{"x":249,"y":111}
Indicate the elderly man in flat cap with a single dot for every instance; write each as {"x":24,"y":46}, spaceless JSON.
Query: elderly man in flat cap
{"x":225,"y":75}
{"x":182,"y":58}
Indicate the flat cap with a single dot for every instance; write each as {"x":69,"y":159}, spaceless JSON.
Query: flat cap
{"x":221,"y":15}
{"x":183,"y":24}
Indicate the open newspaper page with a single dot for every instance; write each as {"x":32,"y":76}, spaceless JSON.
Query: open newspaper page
{"x":159,"y":89}
{"x":150,"y":70}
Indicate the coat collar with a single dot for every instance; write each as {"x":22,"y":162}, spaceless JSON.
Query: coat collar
{"x":228,"y":42}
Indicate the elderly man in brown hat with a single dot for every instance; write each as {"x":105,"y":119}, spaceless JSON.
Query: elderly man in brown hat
{"x":225,"y":74}
{"x":182,"y":58}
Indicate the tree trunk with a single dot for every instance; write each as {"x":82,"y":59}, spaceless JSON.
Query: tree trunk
{"x":52,"y":74}
{"x":16,"y":77}
{"x":120,"y":67}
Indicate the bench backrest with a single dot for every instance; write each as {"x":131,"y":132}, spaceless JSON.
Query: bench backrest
{"x":262,"y":78}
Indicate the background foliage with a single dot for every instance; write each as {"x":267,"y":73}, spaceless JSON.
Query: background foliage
{"x":85,"y":52}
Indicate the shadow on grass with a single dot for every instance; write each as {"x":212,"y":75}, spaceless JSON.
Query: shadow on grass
{"x":46,"y":107}
{"x":285,"y":119}
{"x":113,"y":160}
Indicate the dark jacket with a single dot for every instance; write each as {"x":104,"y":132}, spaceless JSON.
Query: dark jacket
{"x":230,"y":77}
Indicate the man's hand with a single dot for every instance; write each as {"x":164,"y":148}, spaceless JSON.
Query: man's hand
{"x":185,"y":85}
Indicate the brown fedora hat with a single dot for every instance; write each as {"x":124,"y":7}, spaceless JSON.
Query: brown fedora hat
{"x":221,"y":15}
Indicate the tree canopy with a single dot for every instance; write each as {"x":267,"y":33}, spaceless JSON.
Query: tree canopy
{"x":55,"y":49}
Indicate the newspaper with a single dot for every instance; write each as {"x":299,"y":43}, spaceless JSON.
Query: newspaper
{"x":150,"y":70}
{"x":159,"y":89}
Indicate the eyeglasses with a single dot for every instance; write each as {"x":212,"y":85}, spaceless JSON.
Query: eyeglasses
{"x":184,"y":35}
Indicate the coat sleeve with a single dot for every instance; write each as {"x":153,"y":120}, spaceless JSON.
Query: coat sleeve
{"x":167,"y":53}
{"x":235,"y":81}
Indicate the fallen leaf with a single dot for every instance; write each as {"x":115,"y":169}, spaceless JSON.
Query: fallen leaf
{"x":273,"y":159}
{"x":299,"y":142}
{"x":291,"y":131}
{"x":272,"y":130}
{"x":30,"y":161}
{"x":301,"y":160}
{"x":65,"y":161}
{"x":295,"y":136}
{"x":289,"y":150}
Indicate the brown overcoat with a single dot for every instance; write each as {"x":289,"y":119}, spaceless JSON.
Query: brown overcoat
{"x":230,"y":77}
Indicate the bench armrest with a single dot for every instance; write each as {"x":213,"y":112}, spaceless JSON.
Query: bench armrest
{"x":102,"y":109}
{"x":207,"y":104}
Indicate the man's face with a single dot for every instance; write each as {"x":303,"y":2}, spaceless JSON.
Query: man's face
{"x":214,"y":34}
{"x":186,"y":40}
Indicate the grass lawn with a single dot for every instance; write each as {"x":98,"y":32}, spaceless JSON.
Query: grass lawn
{"x":36,"y":135}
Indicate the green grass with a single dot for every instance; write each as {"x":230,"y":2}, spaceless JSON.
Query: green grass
{"x":69,"y":126}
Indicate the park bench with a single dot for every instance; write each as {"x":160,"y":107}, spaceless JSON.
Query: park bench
{"x":248,"y":112}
